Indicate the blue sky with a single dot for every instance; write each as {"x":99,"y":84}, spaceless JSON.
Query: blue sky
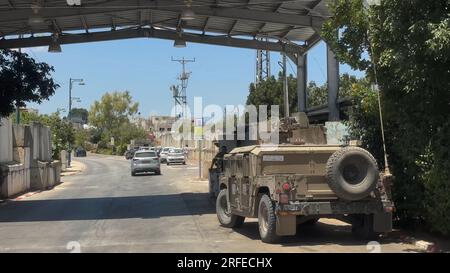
{"x":221,"y":75}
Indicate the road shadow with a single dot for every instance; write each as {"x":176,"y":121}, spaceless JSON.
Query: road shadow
{"x":319,"y":233}
{"x":102,"y":208}
{"x":157,"y":206}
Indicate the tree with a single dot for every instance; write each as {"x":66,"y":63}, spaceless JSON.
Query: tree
{"x":80,"y":113}
{"x":111,"y":117}
{"x":317,"y":95}
{"x":22,"y":79}
{"x":112,"y":111}
{"x":270,"y":92}
{"x":409,"y":44}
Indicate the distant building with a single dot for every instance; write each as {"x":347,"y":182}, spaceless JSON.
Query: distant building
{"x":29,"y":110}
{"x":156,"y":124}
{"x":77,"y":122}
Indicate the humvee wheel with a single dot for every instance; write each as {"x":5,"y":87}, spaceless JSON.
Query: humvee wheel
{"x":267,"y":220}
{"x":226,"y":218}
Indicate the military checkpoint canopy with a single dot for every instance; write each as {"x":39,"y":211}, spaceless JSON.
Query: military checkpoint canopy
{"x":289,"y":26}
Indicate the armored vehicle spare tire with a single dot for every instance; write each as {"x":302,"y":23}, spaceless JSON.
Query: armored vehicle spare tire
{"x":352,"y":173}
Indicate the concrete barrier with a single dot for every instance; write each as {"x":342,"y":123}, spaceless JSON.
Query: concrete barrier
{"x":26,"y":159}
{"x":64,"y":162}
{"x":45,"y":175}
{"x":6,"y":141}
{"x":14,"y":179}
{"x":54,"y":174}
{"x":22,"y":136}
{"x":39,"y":175}
{"x":41,"y":142}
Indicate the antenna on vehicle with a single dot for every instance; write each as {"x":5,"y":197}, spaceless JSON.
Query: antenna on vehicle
{"x":367,"y":5}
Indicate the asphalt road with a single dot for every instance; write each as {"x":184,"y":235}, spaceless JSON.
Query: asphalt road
{"x":104,"y":209}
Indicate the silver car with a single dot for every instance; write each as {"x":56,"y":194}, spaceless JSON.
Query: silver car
{"x":176,"y":156}
{"x":145,"y":161}
{"x":164,"y":152}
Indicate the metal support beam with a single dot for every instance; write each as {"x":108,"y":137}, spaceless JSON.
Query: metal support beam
{"x":10,"y":4}
{"x":56,"y":27}
{"x":151,"y":33}
{"x":285,"y":86}
{"x":15,"y":15}
{"x":205,"y":26}
{"x":313,"y":41}
{"x":302,"y":78}
{"x":333,"y":85}
{"x":85,"y":25}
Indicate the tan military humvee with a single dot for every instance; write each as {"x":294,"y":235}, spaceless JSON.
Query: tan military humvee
{"x":287,"y":185}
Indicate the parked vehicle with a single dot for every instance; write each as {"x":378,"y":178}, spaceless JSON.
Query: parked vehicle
{"x":176,"y":155}
{"x":145,"y":161}
{"x":130,"y":153}
{"x":80,"y":152}
{"x":163,"y":154}
{"x":288,"y":184}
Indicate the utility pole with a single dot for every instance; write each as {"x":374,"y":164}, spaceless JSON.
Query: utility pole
{"x":20,"y":75}
{"x":285,"y":85}
{"x":262,"y":64}
{"x":184,"y":78}
{"x":69,"y":115}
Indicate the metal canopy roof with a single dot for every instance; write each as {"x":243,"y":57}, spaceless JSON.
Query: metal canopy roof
{"x":283,"y":25}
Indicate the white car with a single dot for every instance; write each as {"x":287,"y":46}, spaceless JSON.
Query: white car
{"x":176,"y":155}
{"x":164,"y":152}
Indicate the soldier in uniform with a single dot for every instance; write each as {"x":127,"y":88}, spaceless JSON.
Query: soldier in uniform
{"x":217,"y":162}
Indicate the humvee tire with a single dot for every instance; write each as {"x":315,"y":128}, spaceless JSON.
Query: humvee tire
{"x":226,"y":219}
{"x":267,"y":220}
{"x":362,"y":227}
{"x":352,"y":173}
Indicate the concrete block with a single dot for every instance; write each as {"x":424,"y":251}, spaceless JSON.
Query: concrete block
{"x":39,"y":175}
{"x":14,"y":179}
{"x":21,"y":135}
{"x":45,"y":175}
{"x":6,"y":141}
{"x":41,"y":142}
{"x":64,"y":161}
{"x":22,"y":155}
{"x":54,"y":174}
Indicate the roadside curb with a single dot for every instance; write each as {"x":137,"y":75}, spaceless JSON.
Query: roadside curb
{"x":26,"y":195}
{"x":73,"y":171}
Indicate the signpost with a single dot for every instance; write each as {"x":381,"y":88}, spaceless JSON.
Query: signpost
{"x":198,"y":135}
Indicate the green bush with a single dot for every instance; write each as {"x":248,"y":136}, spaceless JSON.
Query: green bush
{"x":437,"y":184}
{"x":421,"y":189}
{"x":121,"y":149}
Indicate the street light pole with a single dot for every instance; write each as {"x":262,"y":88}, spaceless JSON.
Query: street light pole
{"x":69,"y":115}
{"x":70,"y":99}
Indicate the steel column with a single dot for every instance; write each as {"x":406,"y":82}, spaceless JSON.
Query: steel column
{"x":301,"y":82}
{"x":333,"y":85}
